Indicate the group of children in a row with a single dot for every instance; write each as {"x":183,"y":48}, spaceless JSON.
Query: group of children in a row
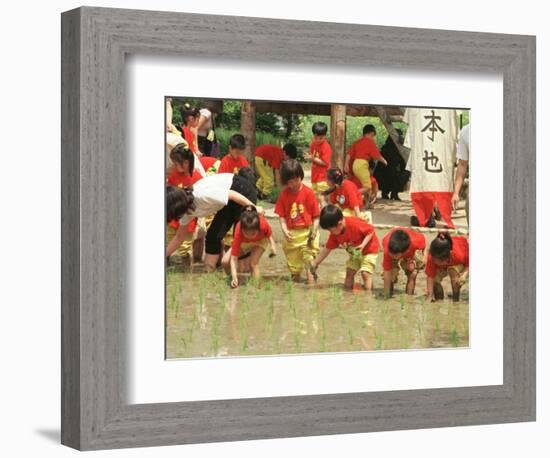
{"x":227,"y":200}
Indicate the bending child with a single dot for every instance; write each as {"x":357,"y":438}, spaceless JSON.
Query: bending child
{"x":252,"y":235}
{"x":344,"y":193}
{"x":224,"y":194}
{"x":403,"y":248}
{"x":448,"y":256}
{"x":298,"y":212}
{"x":357,"y":237}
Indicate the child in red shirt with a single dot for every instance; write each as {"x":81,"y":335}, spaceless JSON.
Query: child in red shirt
{"x":403,"y":248}
{"x":184,"y":175}
{"x":448,"y":255}
{"x":268,"y":159}
{"x":298,"y":212}
{"x":190,"y":118}
{"x":319,"y":154}
{"x":252,"y":235}
{"x":234,"y":160}
{"x":357,"y":237}
{"x":344,"y":193}
{"x":357,"y":160}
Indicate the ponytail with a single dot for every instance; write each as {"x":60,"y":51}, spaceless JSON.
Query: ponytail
{"x":250,"y":219}
{"x":441,"y":246}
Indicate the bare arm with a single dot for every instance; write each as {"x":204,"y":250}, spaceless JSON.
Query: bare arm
{"x":461,"y":169}
{"x":357,"y":211}
{"x":238,"y":198}
{"x":284,"y":227}
{"x":387,"y":283}
{"x":320,"y":257}
{"x":278,"y":178}
{"x":346,"y":163}
{"x":365,"y":241}
{"x":176,"y":241}
{"x":272,"y":245}
{"x":430,"y":289}
{"x":234,"y":275}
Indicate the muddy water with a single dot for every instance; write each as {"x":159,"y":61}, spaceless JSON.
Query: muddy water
{"x":206,"y":318}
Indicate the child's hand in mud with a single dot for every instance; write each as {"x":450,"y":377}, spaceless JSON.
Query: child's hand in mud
{"x":313,"y":270}
{"x":234,"y":282}
{"x":273,"y":252}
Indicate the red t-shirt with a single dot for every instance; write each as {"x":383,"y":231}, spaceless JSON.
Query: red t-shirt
{"x":272,"y":154}
{"x":231,"y":165}
{"x":347,"y":196}
{"x":364,"y":148}
{"x":459,"y":255}
{"x":183,"y":181}
{"x":239,"y":238}
{"x":207,"y":161}
{"x":418,"y":242}
{"x":353,"y":234}
{"x":190,"y":139}
{"x":321,"y":151}
{"x":299,"y":209}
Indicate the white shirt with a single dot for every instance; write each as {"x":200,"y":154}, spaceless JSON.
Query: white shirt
{"x":203,"y":132}
{"x":432,"y":136}
{"x":211,"y":194}
{"x":463,"y":151}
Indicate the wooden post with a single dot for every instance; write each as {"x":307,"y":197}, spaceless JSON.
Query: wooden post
{"x":384,"y":117}
{"x":338,"y":134}
{"x":248,"y":129}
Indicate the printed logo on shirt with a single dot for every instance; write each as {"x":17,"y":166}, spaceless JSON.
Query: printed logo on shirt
{"x":341,"y":199}
{"x":296,"y":212}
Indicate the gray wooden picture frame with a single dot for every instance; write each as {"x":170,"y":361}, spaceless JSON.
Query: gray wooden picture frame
{"x":95,"y":411}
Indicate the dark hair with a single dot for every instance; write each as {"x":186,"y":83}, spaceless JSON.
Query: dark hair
{"x":335,"y":175}
{"x":250,"y":219}
{"x":181,"y":153}
{"x":319,"y":128}
{"x":179,"y":201}
{"x":331,"y":215}
{"x":369,"y":128}
{"x":249,"y":174}
{"x":237,"y":141}
{"x":399,"y":242}
{"x":441,"y":246}
{"x":290,"y":169}
{"x":290,"y":150}
{"x":372,"y":164}
{"x":187,"y":110}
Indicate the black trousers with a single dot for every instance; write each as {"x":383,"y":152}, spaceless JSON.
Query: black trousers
{"x":228,"y":215}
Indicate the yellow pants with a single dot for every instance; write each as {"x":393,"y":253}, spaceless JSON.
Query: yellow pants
{"x":320,"y":186}
{"x":361,"y":171}
{"x":365,"y":263}
{"x":442,"y":273}
{"x":417,"y":263}
{"x":186,"y":247}
{"x":367,"y":216}
{"x":265,"y":181}
{"x":298,"y":253}
{"x":247,"y":247}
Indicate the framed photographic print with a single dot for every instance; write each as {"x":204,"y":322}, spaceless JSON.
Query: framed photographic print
{"x":268,"y":237}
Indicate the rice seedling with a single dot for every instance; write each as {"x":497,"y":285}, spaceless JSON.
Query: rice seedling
{"x":454,"y":338}
{"x":379,"y":340}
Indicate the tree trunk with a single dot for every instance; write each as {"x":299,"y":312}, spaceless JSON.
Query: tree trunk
{"x":248,"y":129}
{"x":338,"y":134}
{"x":384,"y":117}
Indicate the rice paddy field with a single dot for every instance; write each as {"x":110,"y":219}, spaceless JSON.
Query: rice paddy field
{"x":206,"y":318}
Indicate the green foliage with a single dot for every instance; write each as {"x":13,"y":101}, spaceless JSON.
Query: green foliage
{"x":262,"y":138}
